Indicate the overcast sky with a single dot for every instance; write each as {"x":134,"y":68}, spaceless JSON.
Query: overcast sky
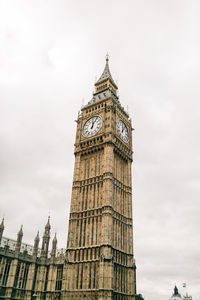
{"x":50,"y":54}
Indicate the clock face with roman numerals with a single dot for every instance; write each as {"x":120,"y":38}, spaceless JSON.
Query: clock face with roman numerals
{"x":92,"y":126}
{"x":122,"y":130}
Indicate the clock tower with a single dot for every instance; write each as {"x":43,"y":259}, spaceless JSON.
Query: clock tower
{"x":99,"y":256}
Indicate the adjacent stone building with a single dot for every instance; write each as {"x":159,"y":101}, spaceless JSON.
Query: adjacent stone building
{"x":28,"y":272}
{"x":98,"y":262}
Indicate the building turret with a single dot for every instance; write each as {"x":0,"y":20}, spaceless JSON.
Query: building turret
{"x":45,"y":240}
{"x":1,"y":229}
{"x":54,"y":246}
{"x":35,"y":247}
{"x":19,"y":240}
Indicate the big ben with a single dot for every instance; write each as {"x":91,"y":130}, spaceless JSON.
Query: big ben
{"x":99,"y":256}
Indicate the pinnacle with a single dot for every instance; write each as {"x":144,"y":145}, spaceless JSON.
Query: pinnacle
{"x":2,"y":224}
{"x":37,"y":236}
{"x":55,"y":239}
{"x":21,"y":231}
{"x":48,"y":226}
{"x":106,"y":73}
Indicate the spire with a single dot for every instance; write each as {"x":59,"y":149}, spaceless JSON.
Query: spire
{"x":54,"y":245}
{"x":175,"y":290}
{"x":45,"y":239}
{"x":1,"y":229}
{"x":36,"y":243}
{"x":176,"y":293}
{"x":106,"y":74}
{"x":48,"y":226}
{"x":55,"y":240}
{"x":2,"y":224}
{"x":104,"y":88}
{"x":19,"y":240}
{"x":20,"y":233}
{"x":37,"y":238}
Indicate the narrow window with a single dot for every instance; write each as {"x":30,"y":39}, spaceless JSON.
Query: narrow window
{"x":88,"y":168}
{"x":78,"y":255}
{"x":96,"y":230}
{"x":59,"y":278}
{"x":80,"y":240}
{"x":83,"y":193}
{"x":84,"y":230}
{"x":96,"y":166}
{"x":81,"y":284}
{"x":85,"y":167}
{"x":21,"y":275}
{"x":94,"y":195}
{"x":6,"y":272}
{"x":25,"y":276}
{"x":77,"y":278}
{"x":86,"y":200}
{"x":94,"y":282}
{"x":92,"y":230}
{"x":98,"y":196}
{"x":34,"y":278}
{"x":87,"y":254}
{"x":46,"y":279}
{"x":99,"y":165}
{"x":89,"y":285}
{"x":17,"y":274}
{"x":77,"y":234}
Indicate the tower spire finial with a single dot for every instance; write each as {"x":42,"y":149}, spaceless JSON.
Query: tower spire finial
{"x":107,"y":57}
{"x":21,"y":230}
{"x":2,"y":223}
{"x":106,"y":81}
{"x":1,"y":229}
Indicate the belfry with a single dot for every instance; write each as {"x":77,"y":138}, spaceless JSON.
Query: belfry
{"x":100,"y":260}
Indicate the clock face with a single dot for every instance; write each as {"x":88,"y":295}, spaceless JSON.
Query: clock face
{"x":92,"y":126}
{"x":122,"y":130}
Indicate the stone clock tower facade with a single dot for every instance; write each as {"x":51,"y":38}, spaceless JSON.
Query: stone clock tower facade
{"x":100,"y":262}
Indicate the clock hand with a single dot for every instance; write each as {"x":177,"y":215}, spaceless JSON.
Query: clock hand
{"x":123,"y":128}
{"x":93,"y":122}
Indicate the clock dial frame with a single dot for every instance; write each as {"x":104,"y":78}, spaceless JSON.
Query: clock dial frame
{"x":92,"y":126}
{"x":122,"y":131}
